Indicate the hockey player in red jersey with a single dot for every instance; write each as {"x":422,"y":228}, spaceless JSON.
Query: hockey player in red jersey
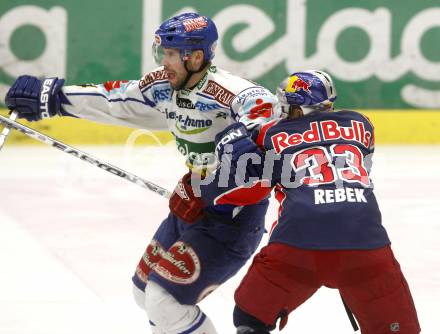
{"x":329,"y":230}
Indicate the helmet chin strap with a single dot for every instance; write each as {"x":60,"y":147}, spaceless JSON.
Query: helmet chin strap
{"x":190,"y":73}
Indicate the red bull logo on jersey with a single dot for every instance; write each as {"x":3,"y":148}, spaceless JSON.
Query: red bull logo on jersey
{"x":296,"y":83}
{"x":323,"y":131}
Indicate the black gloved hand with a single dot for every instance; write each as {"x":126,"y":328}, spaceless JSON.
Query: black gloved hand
{"x":35,"y":99}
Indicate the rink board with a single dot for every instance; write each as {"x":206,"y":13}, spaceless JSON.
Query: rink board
{"x":392,"y":127}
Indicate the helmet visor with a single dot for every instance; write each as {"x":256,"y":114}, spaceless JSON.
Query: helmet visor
{"x":168,"y":56}
{"x":158,"y":53}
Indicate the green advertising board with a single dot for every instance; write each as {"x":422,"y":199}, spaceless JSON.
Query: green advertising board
{"x":381,"y":54}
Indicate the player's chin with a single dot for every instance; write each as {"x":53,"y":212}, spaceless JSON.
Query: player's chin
{"x":175,"y":83}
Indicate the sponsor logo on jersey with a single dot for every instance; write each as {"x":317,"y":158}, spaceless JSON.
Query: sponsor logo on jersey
{"x":261,"y":109}
{"x":195,"y":24}
{"x":180,"y":264}
{"x":161,"y":94}
{"x":184,"y":92}
{"x":151,"y":77}
{"x":188,"y":104}
{"x":200,"y":152}
{"x":184,"y":103}
{"x":193,"y":131}
{"x":206,"y":106}
{"x":219,"y":93}
{"x":253,"y":93}
{"x":330,"y":130}
{"x":185,"y":122}
{"x":202,"y":81}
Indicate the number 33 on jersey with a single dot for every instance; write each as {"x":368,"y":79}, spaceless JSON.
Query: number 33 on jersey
{"x":321,"y":169}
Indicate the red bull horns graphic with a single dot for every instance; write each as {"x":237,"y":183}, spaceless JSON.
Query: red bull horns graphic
{"x":296,"y":83}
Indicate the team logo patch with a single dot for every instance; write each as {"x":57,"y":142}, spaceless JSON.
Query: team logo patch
{"x":180,"y":264}
{"x":195,"y":24}
{"x":296,"y":83}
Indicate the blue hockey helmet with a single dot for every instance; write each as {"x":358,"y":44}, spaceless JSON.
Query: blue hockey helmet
{"x":310,"y":90}
{"x":186,"y":32}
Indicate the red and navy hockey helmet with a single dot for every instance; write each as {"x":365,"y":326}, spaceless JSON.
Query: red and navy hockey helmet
{"x":311,"y":90}
{"x":186,"y":32}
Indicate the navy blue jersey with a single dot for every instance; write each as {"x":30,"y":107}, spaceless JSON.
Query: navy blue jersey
{"x":319,"y":166}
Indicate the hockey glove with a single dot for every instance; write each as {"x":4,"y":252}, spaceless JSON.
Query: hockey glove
{"x":235,"y":140}
{"x":183,"y":203}
{"x":34,"y":99}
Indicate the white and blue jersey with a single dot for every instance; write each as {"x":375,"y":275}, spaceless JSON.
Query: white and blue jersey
{"x":189,"y":261}
{"x":194,"y":116}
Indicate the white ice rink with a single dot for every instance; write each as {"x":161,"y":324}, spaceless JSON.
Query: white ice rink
{"x":72,"y":234}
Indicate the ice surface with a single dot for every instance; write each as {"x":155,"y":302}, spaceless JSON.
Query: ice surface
{"x":71,"y":236}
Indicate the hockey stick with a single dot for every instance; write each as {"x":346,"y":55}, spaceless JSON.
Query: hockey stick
{"x":350,"y":315}
{"x":85,"y":157}
{"x":5,"y":133}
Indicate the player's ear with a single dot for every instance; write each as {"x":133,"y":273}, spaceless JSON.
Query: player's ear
{"x":197,"y":58}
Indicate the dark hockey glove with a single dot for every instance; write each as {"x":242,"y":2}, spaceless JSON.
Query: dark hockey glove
{"x":35,"y":99}
{"x":183,"y":203}
{"x":236,"y":140}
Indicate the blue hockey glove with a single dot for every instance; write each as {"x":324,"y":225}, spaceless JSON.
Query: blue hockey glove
{"x":35,"y":99}
{"x":235,"y":139}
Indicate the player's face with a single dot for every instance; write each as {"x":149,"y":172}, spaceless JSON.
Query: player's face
{"x":174,"y":67}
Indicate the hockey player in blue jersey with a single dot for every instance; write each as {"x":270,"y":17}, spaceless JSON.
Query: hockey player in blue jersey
{"x":194,"y":100}
{"x":328,"y":231}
